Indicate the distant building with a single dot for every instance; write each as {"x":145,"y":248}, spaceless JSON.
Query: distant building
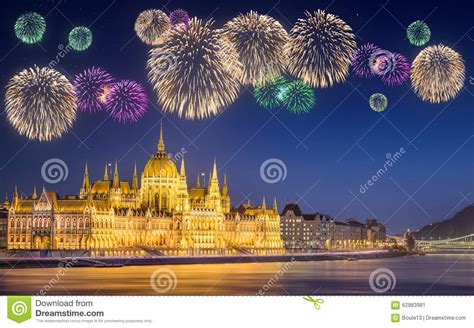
{"x":4,"y":223}
{"x":303,"y":231}
{"x":376,"y":232}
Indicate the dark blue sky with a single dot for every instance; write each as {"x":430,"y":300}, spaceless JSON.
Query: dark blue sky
{"x":328,"y":153}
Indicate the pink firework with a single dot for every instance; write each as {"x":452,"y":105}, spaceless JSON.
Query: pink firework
{"x":89,"y":87}
{"x":396,"y":70}
{"x":127,"y":101}
{"x":363,"y":60}
{"x":179,"y":19}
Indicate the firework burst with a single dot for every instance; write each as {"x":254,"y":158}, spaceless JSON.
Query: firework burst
{"x":321,"y":48}
{"x":270,"y":94}
{"x":260,"y":43}
{"x":397,"y":70}
{"x":30,"y":27}
{"x":418,"y":33}
{"x":151,"y":25}
{"x":363,"y":60}
{"x":298,"y":97}
{"x":40,"y":103}
{"x":90,"y":87}
{"x":378,"y":102}
{"x":190,"y":72}
{"x":179,"y":19}
{"x":126,"y":101}
{"x":80,"y":38}
{"x":438,"y":74}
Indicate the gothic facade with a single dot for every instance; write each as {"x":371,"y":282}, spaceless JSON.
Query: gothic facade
{"x":161,"y":214}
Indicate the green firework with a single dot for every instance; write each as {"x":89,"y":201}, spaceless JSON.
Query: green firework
{"x":418,"y":33}
{"x":378,"y":102}
{"x":80,"y":38}
{"x":30,"y":27}
{"x":298,"y":97}
{"x":270,"y":94}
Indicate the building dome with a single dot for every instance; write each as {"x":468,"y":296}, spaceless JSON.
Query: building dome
{"x":160,"y":165}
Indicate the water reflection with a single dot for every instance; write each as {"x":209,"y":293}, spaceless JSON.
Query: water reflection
{"x":433,"y":275}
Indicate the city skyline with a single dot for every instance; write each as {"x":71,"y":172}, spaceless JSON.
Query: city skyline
{"x":328,"y":154}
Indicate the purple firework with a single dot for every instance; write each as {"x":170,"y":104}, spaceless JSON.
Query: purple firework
{"x":362,"y":60}
{"x":127,"y":101}
{"x":89,"y":87}
{"x":179,"y":18}
{"x":398,"y":70}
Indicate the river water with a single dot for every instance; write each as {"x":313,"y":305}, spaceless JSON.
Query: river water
{"x":414,"y":275}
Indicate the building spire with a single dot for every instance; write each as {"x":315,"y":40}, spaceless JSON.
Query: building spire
{"x":214,"y":171}
{"x":161,"y":143}
{"x":198,"y":181}
{"x":106,"y":173}
{"x":116,"y":183}
{"x":6,"y":203}
{"x":35,"y":196}
{"x":264,"y":205}
{"x":224,"y":186}
{"x":182,"y":171}
{"x":275,"y":206}
{"x":135,"y":178}
{"x":85,"y":182}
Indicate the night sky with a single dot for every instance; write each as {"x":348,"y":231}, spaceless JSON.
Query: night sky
{"x":328,"y":153}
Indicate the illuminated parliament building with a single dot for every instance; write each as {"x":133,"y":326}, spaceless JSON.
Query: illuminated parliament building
{"x":162,"y":213}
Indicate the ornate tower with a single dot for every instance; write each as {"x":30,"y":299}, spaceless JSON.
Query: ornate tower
{"x":183,"y":197}
{"x":213,"y":197}
{"x":86,"y":187}
{"x":115,"y":192}
{"x":225,"y":199}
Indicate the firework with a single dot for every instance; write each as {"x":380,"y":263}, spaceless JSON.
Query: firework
{"x":151,"y":25}
{"x":270,"y":94}
{"x":438,"y":74}
{"x":40,"y":103}
{"x":363,"y":60}
{"x":418,"y":33}
{"x":89,"y":87}
{"x":127,"y":101}
{"x":190,"y":72}
{"x":30,"y":27}
{"x":378,"y":102}
{"x":321,"y":48}
{"x":398,"y":70}
{"x":179,"y":19}
{"x":260,"y":44}
{"x":80,"y":38}
{"x":298,"y":97}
